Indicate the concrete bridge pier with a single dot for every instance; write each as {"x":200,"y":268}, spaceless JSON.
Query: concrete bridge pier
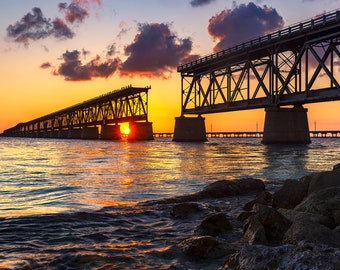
{"x":189,"y":129}
{"x":54,"y":134}
{"x":286,"y":126}
{"x":63,"y":134}
{"x":140,"y":131}
{"x":74,"y":133}
{"x":110,"y":132}
{"x":89,"y":133}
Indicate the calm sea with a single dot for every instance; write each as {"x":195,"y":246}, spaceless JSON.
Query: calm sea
{"x":76,"y":204}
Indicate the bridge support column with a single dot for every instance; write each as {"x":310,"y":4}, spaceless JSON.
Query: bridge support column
{"x":140,"y":131}
{"x":190,"y":129}
{"x":286,"y":125}
{"x":89,"y":133}
{"x":74,"y":133}
{"x":54,"y":134}
{"x":63,"y":134}
{"x":110,"y":132}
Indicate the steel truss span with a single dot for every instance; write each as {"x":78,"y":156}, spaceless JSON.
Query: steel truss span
{"x":293,"y":66}
{"x":129,"y":104}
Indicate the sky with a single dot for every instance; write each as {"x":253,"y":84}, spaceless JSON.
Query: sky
{"x":55,"y":54}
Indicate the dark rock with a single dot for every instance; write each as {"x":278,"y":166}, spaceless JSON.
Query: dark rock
{"x":324,"y":202}
{"x":337,"y":229}
{"x":306,"y":230}
{"x":336,"y":167}
{"x":253,"y":232}
{"x":219,"y":189}
{"x":264,"y":197}
{"x":294,"y":215}
{"x":337,"y":217}
{"x":214,"y":225}
{"x":274,"y":223}
{"x":203,"y":247}
{"x":183,"y":210}
{"x":324,"y":180}
{"x":244,"y":215}
{"x":224,"y":188}
{"x":291,"y":193}
{"x":302,"y":256}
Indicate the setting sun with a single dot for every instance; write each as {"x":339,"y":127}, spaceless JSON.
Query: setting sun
{"x":126,"y":131}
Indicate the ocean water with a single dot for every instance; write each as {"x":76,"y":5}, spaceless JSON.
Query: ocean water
{"x":77,"y":204}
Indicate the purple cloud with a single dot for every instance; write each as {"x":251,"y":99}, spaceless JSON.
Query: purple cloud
{"x":74,"y":12}
{"x":72,"y":69}
{"x":155,"y":51}
{"x":234,"y":26}
{"x":34,"y":26}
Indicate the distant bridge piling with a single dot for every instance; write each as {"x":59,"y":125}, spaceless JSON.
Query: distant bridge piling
{"x":189,"y":129}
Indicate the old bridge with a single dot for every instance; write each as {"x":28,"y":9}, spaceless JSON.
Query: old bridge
{"x":95,"y":118}
{"x":280,"y":72}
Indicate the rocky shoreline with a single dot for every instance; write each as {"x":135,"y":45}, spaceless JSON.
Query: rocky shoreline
{"x":294,"y":227}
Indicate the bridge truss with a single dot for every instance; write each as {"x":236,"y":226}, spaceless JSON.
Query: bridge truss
{"x":129,"y":104}
{"x":297,"y":65}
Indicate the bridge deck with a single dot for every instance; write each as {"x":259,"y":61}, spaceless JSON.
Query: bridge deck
{"x":290,"y":36}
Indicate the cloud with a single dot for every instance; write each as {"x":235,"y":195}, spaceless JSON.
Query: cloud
{"x":32,"y":26}
{"x":35,"y":26}
{"x":74,"y":12}
{"x":72,"y":69}
{"x":61,"y":30}
{"x":46,"y":65}
{"x":198,"y":3}
{"x":233,"y":26}
{"x":155,"y":51}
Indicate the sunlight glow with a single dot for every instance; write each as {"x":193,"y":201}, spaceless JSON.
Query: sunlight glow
{"x":126,"y":131}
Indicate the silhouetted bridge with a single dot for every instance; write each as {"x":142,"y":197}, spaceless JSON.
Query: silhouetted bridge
{"x":95,"y":118}
{"x":290,"y":67}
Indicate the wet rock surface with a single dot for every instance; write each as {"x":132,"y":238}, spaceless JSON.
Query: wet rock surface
{"x":301,"y":256}
{"x":213,"y":225}
{"x":299,"y":229}
{"x":218,"y":189}
{"x":203,"y":247}
{"x":295,"y":227}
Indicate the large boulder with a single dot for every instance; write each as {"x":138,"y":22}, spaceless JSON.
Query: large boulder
{"x":300,"y":256}
{"x":213,"y":225}
{"x":293,"y":215}
{"x":324,"y":180}
{"x":263,"y":197}
{"x":225,"y":188}
{"x":253,"y":232}
{"x":218,"y":189}
{"x":183,"y":210}
{"x":291,"y":193}
{"x":204,"y":247}
{"x":324,"y":202}
{"x":307,"y":230}
{"x":274,"y":225}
